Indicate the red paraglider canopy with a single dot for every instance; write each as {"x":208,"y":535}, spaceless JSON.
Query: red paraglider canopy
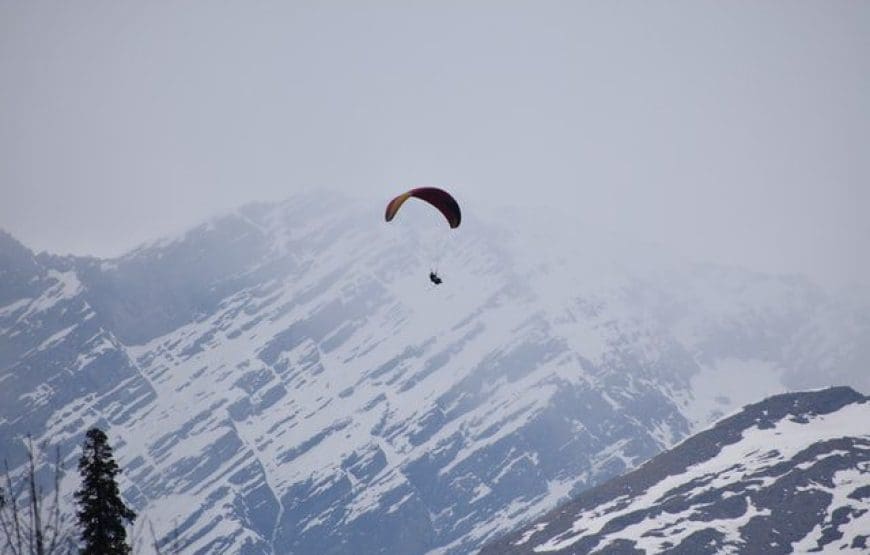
{"x":440,"y":199}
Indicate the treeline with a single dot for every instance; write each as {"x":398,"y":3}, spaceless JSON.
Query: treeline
{"x":30,"y":526}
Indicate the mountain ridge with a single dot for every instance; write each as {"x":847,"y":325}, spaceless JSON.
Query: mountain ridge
{"x":774,"y":519}
{"x":283,"y":379}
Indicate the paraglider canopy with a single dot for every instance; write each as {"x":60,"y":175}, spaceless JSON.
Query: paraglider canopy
{"x":440,"y":199}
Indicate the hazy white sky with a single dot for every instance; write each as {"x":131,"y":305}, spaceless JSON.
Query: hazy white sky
{"x":735,"y":131}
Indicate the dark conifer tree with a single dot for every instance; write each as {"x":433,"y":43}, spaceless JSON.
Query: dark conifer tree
{"x":102,"y":512}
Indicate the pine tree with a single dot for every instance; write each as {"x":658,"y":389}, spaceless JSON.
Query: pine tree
{"x":102,"y":512}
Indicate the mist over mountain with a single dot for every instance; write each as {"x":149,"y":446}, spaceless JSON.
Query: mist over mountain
{"x":285,"y":379}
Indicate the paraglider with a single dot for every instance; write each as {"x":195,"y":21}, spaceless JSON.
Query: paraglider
{"x":439,"y":199}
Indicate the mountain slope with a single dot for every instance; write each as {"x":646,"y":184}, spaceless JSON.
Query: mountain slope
{"x":284,"y":379}
{"x":789,"y":474}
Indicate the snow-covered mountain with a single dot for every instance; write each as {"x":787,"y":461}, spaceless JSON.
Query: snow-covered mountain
{"x":284,"y":379}
{"x":790,"y":474}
